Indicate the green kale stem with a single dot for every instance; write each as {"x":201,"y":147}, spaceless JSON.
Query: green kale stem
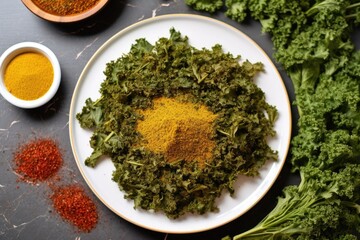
{"x":333,"y":3}
{"x":353,"y":15}
{"x":135,"y":163}
{"x":306,"y":208}
{"x":353,"y":205}
{"x":98,"y":100}
{"x":287,"y":210}
{"x":109,"y":136}
{"x":354,"y":5}
{"x":266,"y":233}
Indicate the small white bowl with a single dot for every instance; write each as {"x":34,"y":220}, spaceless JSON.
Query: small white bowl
{"x":23,"y":47}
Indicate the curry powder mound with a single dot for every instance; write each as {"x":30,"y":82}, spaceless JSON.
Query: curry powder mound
{"x":179,"y":130}
{"x":29,"y":76}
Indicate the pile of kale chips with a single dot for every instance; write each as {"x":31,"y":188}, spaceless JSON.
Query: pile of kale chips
{"x":169,"y":68}
{"x":313,"y":43}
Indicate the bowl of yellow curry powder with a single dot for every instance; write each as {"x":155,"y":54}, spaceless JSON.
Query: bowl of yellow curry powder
{"x":29,"y":75}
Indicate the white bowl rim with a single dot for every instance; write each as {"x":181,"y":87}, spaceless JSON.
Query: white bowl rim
{"x":23,"y":47}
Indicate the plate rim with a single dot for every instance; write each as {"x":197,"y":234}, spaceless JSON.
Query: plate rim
{"x":135,"y":25}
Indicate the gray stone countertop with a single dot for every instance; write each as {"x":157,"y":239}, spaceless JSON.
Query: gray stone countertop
{"x":25,"y":209}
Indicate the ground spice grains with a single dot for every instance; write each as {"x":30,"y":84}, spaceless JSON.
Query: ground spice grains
{"x":38,"y":160}
{"x":29,"y":76}
{"x":75,"y":206}
{"x":65,"y":7}
{"x":179,"y":130}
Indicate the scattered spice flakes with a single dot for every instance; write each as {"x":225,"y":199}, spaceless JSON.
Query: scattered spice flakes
{"x":38,"y":160}
{"x":74,"y":206}
{"x":41,"y":159}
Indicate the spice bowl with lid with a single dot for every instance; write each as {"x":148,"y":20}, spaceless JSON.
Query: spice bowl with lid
{"x":65,"y":11}
{"x":30,"y":75}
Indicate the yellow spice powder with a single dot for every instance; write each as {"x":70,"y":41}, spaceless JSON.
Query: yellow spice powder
{"x":179,"y":130}
{"x":29,"y":75}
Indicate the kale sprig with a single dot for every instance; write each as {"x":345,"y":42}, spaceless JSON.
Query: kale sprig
{"x":324,"y":206}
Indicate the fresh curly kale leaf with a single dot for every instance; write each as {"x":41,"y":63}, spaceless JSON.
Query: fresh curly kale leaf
{"x":326,"y":205}
{"x":205,"y":5}
{"x":237,"y":9}
{"x":329,"y":126}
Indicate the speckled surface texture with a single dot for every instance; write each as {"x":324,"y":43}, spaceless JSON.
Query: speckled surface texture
{"x":25,"y":209}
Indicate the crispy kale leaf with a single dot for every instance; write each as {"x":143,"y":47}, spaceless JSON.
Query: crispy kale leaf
{"x":91,"y":114}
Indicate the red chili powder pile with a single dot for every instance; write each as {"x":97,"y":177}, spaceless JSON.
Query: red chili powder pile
{"x":38,"y":160}
{"x":75,"y":206}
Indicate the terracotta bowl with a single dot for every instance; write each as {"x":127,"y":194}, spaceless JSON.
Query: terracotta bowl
{"x":67,"y":18}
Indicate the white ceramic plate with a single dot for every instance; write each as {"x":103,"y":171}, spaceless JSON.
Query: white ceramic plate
{"x":202,"y":32}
